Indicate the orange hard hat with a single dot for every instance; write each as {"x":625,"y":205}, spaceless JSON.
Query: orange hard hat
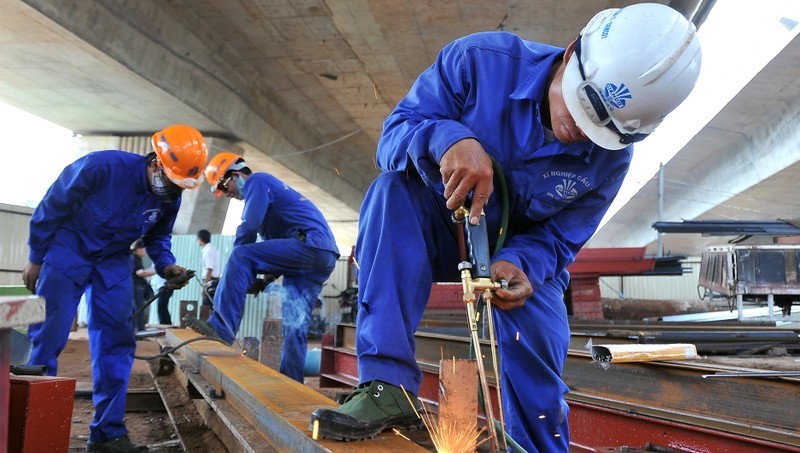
{"x":218,"y":166}
{"x":181,"y":151}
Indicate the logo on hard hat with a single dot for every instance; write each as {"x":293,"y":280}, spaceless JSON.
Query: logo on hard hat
{"x":616,"y":95}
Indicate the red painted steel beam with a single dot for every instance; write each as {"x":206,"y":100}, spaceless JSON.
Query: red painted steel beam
{"x":5,"y":386}
{"x":15,"y":311}
{"x":611,"y":261}
{"x":592,"y":425}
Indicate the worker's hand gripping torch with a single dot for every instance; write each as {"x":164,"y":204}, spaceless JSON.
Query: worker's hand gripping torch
{"x":476,"y":276}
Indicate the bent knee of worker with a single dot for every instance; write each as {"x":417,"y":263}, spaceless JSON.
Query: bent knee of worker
{"x":393,"y":184}
{"x":241,"y":259}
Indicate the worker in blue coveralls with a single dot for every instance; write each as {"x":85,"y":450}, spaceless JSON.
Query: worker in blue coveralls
{"x":560,"y":123}
{"x":297,"y":244}
{"x":80,"y":235}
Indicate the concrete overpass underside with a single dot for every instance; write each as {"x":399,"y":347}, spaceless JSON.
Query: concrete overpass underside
{"x":744,"y":165}
{"x":302,"y":87}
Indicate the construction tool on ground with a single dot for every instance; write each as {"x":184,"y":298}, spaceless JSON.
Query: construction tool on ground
{"x":173,"y":283}
{"x":475,"y":268}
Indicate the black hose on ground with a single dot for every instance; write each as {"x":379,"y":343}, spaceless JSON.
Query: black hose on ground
{"x":167,"y":351}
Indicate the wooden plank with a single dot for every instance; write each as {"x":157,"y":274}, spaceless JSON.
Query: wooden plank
{"x":277,"y":406}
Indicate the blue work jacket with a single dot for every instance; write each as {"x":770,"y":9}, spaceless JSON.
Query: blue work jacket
{"x":491,"y":87}
{"x":276,"y":211}
{"x":92,"y":213}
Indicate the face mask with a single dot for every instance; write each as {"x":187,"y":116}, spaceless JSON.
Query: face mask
{"x":166,"y":192}
{"x":239,"y":181}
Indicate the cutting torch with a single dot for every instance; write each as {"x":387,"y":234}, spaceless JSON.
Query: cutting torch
{"x":476,"y":276}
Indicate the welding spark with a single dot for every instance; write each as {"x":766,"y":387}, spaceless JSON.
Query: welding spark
{"x":398,"y":433}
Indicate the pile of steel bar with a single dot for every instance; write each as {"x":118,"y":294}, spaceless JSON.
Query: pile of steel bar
{"x":664,"y":403}
{"x":276,"y":406}
{"x":729,"y":227}
{"x":709,"y":338}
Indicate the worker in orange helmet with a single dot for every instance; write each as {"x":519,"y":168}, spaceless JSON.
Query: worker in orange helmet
{"x":80,"y":235}
{"x":298,"y":244}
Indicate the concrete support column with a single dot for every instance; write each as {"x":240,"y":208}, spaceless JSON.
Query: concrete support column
{"x":200,"y":209}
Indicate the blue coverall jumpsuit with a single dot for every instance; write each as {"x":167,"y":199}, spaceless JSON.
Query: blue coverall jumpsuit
{"x":81,"y":234}
{"x":490,"y":87}
{"x":298,"y":244}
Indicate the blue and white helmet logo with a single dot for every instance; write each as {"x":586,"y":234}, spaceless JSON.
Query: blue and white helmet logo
{"x":616,"y":95}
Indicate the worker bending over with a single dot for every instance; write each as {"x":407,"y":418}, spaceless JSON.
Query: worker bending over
{"x":560,"y":124}
{"x":297,"y":244}
{"x":80,"y":236}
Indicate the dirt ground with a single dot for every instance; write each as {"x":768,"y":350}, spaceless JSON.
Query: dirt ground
{"x":151,"y":428}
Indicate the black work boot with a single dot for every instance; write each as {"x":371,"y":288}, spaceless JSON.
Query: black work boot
{"x":372,"y":408}
{"x":203,"y":328}
{"x":118,"y":445}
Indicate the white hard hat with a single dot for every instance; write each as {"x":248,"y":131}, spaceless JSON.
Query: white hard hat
{"x":630,"y":68}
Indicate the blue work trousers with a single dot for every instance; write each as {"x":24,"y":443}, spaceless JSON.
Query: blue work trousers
{"x":304,"y":269}
{"x":406,"y":241}
{"x":111,"y":340}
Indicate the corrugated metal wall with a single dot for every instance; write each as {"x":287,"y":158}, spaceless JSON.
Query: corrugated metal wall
{"x":187,"y":252}
{"x":14,"y":256}
{"x":682,"y":287}
{"x":13,"y":243}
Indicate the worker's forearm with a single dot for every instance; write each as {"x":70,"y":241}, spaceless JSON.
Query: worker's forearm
{"x":207,"y":277}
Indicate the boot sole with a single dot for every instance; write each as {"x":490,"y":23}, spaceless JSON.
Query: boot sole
{"x":333,"y":425}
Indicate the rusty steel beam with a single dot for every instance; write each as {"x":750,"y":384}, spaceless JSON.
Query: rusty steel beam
{"x":277,"y":406}
{"x":230,"y":427}
{"x":185,"y":417}
{"x":665,"y":391}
